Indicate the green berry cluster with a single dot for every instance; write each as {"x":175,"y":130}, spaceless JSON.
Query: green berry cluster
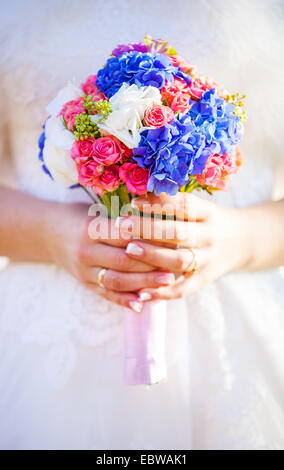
{"x":85,"y":128}
{"x":88,"y":103}
{"x":101,"y":107}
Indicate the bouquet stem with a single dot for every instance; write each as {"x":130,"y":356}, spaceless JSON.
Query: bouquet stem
{"x":145,"y":338}
{"x":124,"y":195}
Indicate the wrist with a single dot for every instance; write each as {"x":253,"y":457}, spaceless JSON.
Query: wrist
{"x":54,"y":230}
{"x":244,"y":239}
{"x":65,"y":226}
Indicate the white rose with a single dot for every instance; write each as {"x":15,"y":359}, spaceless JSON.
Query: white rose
{"x":60,"y":164}
{"x":130,"y":96}
{"x":57,"y":152}
{"x":69,"y":93}
{"x":57,"y":134}
{"x":128,"y":107}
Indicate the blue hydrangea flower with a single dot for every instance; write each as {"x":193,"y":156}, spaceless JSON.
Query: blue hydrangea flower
{"x":172,"y":153}
{"x":41,"y":143}
{"x":214,"y":116}
{"x":143,"y":69}
{"x":182,"y":148}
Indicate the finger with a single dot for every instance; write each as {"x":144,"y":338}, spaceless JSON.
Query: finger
{"x":183,"y":206}
{"x":176,"y":260}
{"x":170,"y":232}
{"x":124,"y":282}
{"x":127,"y":300}
{"x":104,"y":230}
{"x":185,"y":286}
{"x":114,"y":258}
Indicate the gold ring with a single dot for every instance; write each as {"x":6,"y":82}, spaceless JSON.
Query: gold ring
{"x":195,"y":267}
{"x":100,"y":278}
{"x":194,"y":261}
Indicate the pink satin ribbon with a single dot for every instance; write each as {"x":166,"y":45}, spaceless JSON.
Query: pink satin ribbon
{"x":145,"y":338}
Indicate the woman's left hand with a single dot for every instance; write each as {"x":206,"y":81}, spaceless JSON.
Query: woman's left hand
{"x":203,"y":243}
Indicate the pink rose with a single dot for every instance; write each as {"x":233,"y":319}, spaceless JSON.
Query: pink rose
{"x":108,"y":180}
{"x":170,"y":90}
{"x":212,"y":174}
{"x":83,"y":149}
{"x":231,"y":163}
{"x":135,"y":178}
{"x":70,"y":111}
{"x":99,"y":95}
{"x":89,"y":88}
{"x":212,"y":84}
{"x":107,"y":150}
{"x":218,"y":169}
{"x":197,"y":88}
{"x":200,"y":85}
{"x":180,"y":62}
{"x":125,"y":151}
{"x":89,"y":172}
{"x":158,"y":115}
{"x":180,"y":103}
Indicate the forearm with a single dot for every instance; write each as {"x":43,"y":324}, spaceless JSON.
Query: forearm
{"x":28,"y":226}
{"x":263,"y":226}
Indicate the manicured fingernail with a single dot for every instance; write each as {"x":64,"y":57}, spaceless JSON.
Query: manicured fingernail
{"x":136,"y":306}
{"x":145,"y":296}
{"x":166,"y":279}
{"x":133,"y":249}
{"x":180,"y":279}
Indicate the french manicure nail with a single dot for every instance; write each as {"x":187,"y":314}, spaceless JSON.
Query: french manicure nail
{"x":145,"y":296}
{"x":166,"y":279}
{"x":180,"y":279}
{"x":136,"y":306}
{"x":133,"y":249}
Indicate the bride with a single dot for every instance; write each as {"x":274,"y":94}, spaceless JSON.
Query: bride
{"x":61,"y":335}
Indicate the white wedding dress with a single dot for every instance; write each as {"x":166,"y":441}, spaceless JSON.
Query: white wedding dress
{"x":61,"y":347}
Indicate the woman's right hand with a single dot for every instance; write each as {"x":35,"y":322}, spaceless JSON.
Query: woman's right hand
{"x":83,"y":257}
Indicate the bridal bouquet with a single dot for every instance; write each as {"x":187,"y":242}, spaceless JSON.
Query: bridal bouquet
{"x":146,"y":122}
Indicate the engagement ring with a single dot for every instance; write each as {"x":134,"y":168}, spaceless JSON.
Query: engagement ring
{"x":100,"y":278}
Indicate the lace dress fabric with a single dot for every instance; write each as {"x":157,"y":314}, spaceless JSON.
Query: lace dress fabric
{"x":61,"y":346}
